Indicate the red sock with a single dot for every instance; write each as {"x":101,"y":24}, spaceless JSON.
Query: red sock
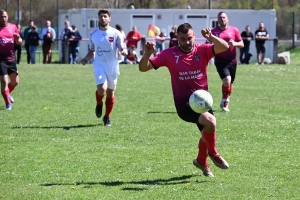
{"x":210,"y":140}
{"x":225,"y":91}
{"x":109,"y":103}
{"x":5,"y":95}
{"x":202,"y":155}
{"x":231,"y":89}
{"x":99,"y":98}
{"x":10,"y":87}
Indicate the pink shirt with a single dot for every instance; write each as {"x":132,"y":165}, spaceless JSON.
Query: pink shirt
{"x":231,"y":32}
{"x":7,"y":42}
{"x":188,"y":71}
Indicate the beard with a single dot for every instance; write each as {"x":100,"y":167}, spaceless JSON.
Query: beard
{"x":103,"y":24}
{"x":186,"y":48}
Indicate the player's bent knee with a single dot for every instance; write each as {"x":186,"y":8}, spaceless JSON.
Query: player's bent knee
{"x":208,"y":121}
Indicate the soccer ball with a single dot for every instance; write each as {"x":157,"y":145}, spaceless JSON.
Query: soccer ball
{"x":201,"y":101}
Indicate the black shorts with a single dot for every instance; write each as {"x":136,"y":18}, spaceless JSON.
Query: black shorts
{"x":226,"y":70}
{"x":187,"y":114}
{"x":260,"y":48}
{"x":8,"y":67}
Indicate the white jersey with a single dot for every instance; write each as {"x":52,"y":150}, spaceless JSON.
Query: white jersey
{"x":106,"y":44}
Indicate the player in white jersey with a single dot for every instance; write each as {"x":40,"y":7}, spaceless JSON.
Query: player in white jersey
{"x":105,"y":42}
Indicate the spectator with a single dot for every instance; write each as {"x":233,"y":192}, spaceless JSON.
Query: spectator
{"x":119,"y":27}
{"x":64,"y":36}
{"x":261,"y":35}
{"x":47,"y":46}
{"x":74,"y":36}
{"x":34,"y":40}
{"x":53,"y":34}
{"x":18,"y":47}
{"x":26,"y":32}
{"x":247,"y":36}
{"x":133,"y":37}
{"x":131,"y":57}
{"x":160,"y":42}
{"x":173,"y":37}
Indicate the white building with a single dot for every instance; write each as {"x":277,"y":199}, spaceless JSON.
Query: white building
{"x":87,"y":19}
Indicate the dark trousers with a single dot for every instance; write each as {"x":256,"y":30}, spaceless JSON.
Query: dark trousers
{"x":243,"y":53}
{"x":28,"y":53}
{"x":18,"y":51}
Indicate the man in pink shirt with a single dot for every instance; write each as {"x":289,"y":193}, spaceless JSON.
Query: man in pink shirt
{"x":226,"y":62}
{"x":9,"y":34}
{"x":133,"y":37}
{"x":187,"y":64}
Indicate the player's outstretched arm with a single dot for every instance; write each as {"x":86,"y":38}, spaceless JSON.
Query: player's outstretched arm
{"x":220,"y":45}
{"x":144,"y":64}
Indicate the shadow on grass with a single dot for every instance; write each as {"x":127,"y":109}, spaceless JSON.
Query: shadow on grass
{"x":153,"y":112}
{"x":54,"y":127}
{"x":170,"y":181}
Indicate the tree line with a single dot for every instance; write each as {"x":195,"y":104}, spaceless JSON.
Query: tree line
{"x":42,"y":10}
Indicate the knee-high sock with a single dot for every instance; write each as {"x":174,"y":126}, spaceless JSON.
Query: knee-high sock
{"x":225,"y":92}
{"x":11,"y":87}
{"x":99,"y":98}
{"x":5,"y":95}
{"x":202,"y":155}
{"x":109,"y":103}
{"x":211,"y":141}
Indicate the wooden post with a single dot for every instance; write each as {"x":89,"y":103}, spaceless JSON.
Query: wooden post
{"x":275,"y":52}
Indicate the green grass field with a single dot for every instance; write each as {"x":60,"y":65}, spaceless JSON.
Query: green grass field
{"x":54,"y":147}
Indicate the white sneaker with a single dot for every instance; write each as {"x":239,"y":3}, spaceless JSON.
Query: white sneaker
{"x":219,"y":161}
{"x":224,"y":104}
{"x":205,"y":169}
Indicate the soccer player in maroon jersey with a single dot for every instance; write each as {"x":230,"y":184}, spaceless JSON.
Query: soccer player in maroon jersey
{"x":225,"y":62}
{"x":187,"y":64}
{"x":9,"y":34}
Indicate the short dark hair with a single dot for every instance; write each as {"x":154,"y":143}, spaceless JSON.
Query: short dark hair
{"x":220,"y":13}
{"x":184,"y":28}
{"x":104,"y":11}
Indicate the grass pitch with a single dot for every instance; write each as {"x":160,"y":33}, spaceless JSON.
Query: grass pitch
{"x":54,"y":147}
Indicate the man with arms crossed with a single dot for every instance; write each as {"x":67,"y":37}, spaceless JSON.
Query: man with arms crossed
{"x":182,"y":61}
{"x":226,"y":62}
{"x":106,"y":41}
{"x":9,"y":35}
{"x":261,"y":35}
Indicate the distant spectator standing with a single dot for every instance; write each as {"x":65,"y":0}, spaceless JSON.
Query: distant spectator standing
{"x":173,"y":37}
{"x":26,"y":32}
{"x":64,"y":34}
{"x":247,"y":36}
{"x":119,"y":27}
{"x":75,"y":37}
{"x":261,"y":35}
{"x":18,"y":47}
{"x":47,"y":47}
{"x":45,"y":31}
{"x":160,"y":42}
{"x":133,"y":37}
{"x":34,"y":39}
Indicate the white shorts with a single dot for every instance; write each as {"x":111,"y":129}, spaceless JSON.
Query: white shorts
{"x":101,"y":77}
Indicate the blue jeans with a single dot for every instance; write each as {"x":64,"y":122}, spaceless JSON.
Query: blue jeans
{"x":244,"y":51}
{"x":32,"y":50}
{"x":73,"y":55}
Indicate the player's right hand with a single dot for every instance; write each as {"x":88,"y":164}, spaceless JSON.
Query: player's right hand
{"x":150,"y":47}
{"x":83,"y":61}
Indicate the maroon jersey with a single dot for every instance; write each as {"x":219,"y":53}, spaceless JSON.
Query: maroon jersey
{"x":7,"y":42}
{"x":229,"y":33}
{"x":188,"y":70}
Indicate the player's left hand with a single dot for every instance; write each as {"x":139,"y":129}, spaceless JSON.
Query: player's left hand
{"x":231,"y":42}
{"x":16,"y":36}
{"x":206,"y":33}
